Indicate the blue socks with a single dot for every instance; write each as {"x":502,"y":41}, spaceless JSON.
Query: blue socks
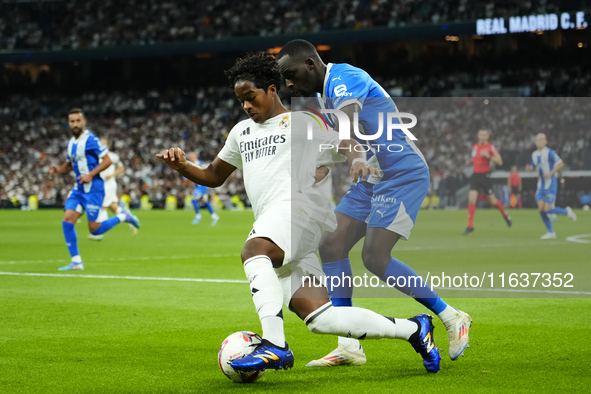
{"x":107,"y":225}
{"x":558,"y":210}
{"x":340,"y":289}
{"x":415,"y":288}
{"x":71,"y":238}
{"x":209,"y":208}
{"x":206,"y":204}
{"x":547,"y":221}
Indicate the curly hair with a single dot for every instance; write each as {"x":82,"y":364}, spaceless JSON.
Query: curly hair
{"x":259,"y":68}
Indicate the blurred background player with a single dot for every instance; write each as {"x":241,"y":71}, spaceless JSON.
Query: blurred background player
{"x":111,"y":200}
{"x":404,"y":185}
{"x":84,"y":153}
{"x":515,"y":184}
{"x":200,"y":196}
{"x":482,"y":153}
{"x":547,"y":163}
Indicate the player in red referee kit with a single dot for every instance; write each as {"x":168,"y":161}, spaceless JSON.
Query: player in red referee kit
{"x":483,"y":153}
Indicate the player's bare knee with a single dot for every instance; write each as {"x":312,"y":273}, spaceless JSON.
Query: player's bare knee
{"x":262,"y":247}
{"x":374,"y":259}
{"x":327,"y":250}
{"x":93,"y":226}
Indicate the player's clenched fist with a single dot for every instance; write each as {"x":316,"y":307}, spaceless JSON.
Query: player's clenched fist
{"x":174,"y":158}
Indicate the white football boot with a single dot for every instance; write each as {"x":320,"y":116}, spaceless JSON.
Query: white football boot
{"x":349,"y":352}
{"x":548,"y":236}
{"x":458,"y":333}
{"x":570,"y":213}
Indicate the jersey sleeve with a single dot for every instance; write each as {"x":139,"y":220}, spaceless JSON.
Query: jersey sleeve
{"x":115,"y":159}
{"x":349,"y":87}
{"x":95,"y":147}
{"x":553,"y":157}
{"x":328,"y":157}
{"x":494,"y":151}
{"x":230,"y":153}
{"x":531,"y":160}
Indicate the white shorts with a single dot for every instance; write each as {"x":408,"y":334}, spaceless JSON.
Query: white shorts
{"x":110,"y":197}
{"x":298,"y":236}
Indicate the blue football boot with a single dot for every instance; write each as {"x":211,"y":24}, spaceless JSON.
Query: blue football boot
{"x":132,"y":219}
{"x":422,"y":341}
{"x":265,"y":356}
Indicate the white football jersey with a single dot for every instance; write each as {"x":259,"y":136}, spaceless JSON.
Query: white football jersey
{"x":110,"y":170}
{"x":279,"y":162}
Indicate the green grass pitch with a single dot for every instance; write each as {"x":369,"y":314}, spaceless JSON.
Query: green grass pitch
{"x":108,"y":334}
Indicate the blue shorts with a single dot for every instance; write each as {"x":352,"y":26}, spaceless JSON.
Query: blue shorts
{"x":548,"y":195}
{"x":92,"y":203}
{"x":199,"y":192}
{"x":392,"y":204}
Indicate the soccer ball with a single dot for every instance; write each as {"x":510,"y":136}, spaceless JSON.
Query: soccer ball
{"x":238,"y":345}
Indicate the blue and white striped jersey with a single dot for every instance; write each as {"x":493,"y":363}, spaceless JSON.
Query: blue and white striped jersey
{"x":85,"y":153}
{"x":344,"y":85}
{"x":544,"y":161}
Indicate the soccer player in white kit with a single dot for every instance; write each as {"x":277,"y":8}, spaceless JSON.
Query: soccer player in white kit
{"x":111,"y":200}
{"x":289,"y":218}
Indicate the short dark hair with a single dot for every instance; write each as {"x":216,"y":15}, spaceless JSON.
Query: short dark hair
{"x":258,"y":67}
{"x":76,"y":111}
{"x":298,"y":49}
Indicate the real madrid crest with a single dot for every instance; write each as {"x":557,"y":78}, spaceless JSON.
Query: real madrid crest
{"x":284,"y":124}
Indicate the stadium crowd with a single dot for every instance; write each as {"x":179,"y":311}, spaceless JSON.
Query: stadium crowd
{"x":34,"y":134}
{"x":67,"y":24}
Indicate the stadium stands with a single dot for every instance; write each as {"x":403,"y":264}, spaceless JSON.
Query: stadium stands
{"x":67,"y":24}
{"x":141,"y":125}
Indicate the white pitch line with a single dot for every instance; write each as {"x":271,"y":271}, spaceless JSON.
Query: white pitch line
{"x":575,"y":238}
{"x":245,"y":281}
{"x":125,"y":277}
{"x":121,"y":259}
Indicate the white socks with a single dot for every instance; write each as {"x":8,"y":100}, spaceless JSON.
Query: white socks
{"x":448,"y":314}
{"x":353,"y":322}
{"x":267,"y":295}
{"x":351,"y":344}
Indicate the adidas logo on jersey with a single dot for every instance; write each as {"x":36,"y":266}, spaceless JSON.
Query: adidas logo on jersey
{"x":246,"y":132}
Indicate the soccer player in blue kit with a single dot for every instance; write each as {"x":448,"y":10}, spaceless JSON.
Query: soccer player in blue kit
{"x":85,"y":152}
{"x":200,"y":195}
{"x":383,"y":210}
{"x":547,"y":163}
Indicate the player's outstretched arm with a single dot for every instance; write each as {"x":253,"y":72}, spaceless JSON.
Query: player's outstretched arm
{"x":214,"y":175}
{"x":64,"y":168}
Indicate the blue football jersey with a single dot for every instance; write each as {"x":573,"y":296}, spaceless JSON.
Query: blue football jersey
{"x":544,"y":161}
{"x":85,"y":153}
{"x":345,"y":85}
{"x":200,"y":188}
